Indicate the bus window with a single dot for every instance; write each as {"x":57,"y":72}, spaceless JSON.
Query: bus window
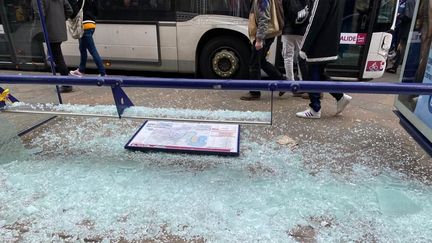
{"x":137,"y":10}
{"x":187,"y":6}
{"x":238,"y":8}
{"x":186,"y":10}
{"x":386,"y":15}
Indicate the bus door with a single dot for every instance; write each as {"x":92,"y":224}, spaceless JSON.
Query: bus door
{"x":21,"y":39}
{"x":365,"y":39}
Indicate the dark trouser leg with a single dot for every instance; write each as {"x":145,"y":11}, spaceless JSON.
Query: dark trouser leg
{"x":60,"y":64}
{"x":268,"y":68}
{"x":255,"y":68}
{"x":303,"y":69}
{"x":58,"y":58}
{"x":316,"y":73}
{"x":258,"y":61}
{"x":399,"y":55}
{"x":337,"y":96}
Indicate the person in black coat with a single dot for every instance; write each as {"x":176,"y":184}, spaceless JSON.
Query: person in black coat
{"x":319,"y":47}
{"x":56,"y":12}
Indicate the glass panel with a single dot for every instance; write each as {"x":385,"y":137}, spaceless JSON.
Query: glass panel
{"x":418,"y":49}
{"x":386,"y":12}
{"x":418,"y":69}
{"x":386,"y":16}
{"x":21,"y":45}
{"x":354,"y":29}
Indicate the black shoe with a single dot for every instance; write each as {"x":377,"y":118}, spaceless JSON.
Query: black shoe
{"x":281,"y":93}
{"x":391,"y":70}
{"x":250,"y":97}
{"x":65,"y":89}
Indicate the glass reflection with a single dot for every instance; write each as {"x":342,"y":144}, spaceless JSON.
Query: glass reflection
{"x":418,"y":50}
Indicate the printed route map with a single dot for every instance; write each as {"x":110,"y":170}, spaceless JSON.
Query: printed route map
{"x":187,"y":136}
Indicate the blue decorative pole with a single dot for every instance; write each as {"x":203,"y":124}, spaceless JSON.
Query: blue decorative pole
{"x":46,"y":37}
{"x":122,"y":101}
{"x":219,"y":84}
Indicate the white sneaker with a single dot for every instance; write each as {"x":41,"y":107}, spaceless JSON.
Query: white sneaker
{"x":342,"y":103}
{"x":76,"y":73}
{"x":309,"y":114}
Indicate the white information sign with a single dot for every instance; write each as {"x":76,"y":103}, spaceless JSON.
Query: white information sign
{"x":1,"y":29}
{"x":205,"y":138}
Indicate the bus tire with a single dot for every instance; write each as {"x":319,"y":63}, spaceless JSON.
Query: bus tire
{"x":225,"y":58}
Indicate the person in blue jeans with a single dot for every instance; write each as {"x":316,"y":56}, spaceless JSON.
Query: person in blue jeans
{"x":86,"y":43}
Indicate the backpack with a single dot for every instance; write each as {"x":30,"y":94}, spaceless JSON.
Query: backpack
{"x":75,"y":25}
{"x":277,"y":19}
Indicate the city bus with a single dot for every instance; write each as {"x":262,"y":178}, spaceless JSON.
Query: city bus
{"x":205,"y":37}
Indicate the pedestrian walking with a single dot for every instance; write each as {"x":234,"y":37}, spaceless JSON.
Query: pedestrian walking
{"x":264,"y":26}
{"x":56,"y":12}
{"x":86,"y":43}
{"x":296,"y":20}
{"x":320,"y":46}
{"x":406,"y":17}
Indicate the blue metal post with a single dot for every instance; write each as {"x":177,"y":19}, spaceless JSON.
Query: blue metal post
{"x":121,"y":99}
{"x":46,"y":37}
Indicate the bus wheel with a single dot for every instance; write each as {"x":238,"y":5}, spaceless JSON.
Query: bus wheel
{"x":225,"y":57}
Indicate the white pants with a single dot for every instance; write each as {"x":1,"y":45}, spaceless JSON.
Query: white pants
{"x":291,"y":47}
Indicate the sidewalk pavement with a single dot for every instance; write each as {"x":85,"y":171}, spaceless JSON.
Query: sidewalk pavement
{"x":356,"y":176}
{"x":367,"y":132}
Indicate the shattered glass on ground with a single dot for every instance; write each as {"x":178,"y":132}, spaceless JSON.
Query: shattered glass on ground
{"x":76,"y":182}
{"x":140,"y":111}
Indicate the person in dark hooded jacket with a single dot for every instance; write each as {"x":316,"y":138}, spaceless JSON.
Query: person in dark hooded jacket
{"x":320,"y":46}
